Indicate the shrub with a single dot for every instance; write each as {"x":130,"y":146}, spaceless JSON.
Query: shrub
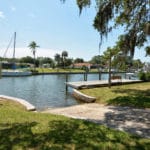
{"x":145,"y":76}
{"x":34,"y":72}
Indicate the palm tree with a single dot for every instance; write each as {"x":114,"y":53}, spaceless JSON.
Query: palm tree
{"x":57,"y":59}
{"x":33,"y":47}
{"x":109,"y":54}
{"x":64,"y":55}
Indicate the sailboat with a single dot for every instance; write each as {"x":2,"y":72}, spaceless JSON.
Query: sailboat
{"x":13,"y":71}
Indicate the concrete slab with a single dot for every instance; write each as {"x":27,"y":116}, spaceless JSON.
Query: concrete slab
{"x":132,"y":120}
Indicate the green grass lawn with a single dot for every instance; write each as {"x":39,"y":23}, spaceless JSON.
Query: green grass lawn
{"x":136,"y":95}
{"x":21,"y":130}
{"x":50,"y":70}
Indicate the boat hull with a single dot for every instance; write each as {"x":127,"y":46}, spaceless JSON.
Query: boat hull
{"x":15,"y":73}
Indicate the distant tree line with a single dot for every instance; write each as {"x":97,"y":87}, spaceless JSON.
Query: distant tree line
{"x":119,"y":60}
{"x":62,"y":60}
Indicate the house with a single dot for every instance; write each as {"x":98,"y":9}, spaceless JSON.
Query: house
{"x":82,"y":65}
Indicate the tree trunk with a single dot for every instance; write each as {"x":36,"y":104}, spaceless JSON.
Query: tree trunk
{"x":109,"y":78}
{"x":34,"y":62}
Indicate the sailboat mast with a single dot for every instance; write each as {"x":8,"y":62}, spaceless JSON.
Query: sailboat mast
{"x":14,"y":46}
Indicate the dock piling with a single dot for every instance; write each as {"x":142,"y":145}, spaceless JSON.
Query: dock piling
{"x":66,"y":82}
{"x":0,"y":70}
{"x":85,"y":76}
{"x":100,"y":75}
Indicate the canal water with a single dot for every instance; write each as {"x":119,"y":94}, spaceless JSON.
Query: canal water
{"x":44,"y":91}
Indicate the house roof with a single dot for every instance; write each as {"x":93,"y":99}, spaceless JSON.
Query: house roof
{"x":82,"y":64}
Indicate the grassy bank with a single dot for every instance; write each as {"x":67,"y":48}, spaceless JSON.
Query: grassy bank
{"x":50,"y":70}
{"x":28,"y":130}
{"x":136,"y":95}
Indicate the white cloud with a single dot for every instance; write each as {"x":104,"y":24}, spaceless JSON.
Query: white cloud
{"x":23,"y":52}
{"x":2,"y":16}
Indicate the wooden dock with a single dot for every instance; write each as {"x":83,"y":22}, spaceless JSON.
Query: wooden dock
{"x":98,"y":83}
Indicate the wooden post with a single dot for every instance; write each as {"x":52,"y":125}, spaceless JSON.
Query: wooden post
{"x":100,"y":75}
{"x":85,"y":76}
{"x":0,"y":70}
{"x":66,"y":82}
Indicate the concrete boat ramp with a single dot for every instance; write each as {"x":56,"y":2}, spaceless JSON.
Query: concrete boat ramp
{"x":98,"y":83}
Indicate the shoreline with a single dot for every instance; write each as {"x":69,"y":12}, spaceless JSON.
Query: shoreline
{"x":26,"y":104}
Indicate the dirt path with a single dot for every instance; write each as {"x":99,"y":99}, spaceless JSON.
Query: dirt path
{"x":136,"y":121}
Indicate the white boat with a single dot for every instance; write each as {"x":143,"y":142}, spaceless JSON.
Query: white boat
{"x":14,"y":72}
{"x":131,"y":75}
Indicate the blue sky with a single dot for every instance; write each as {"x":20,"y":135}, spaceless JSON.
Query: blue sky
{"x":55,"y":27}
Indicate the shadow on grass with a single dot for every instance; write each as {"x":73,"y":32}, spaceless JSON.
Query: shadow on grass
{"x":16,"y":135}
{"x":134,"y":98}
{"x":131,"y":120}
{"x":69,"y":134}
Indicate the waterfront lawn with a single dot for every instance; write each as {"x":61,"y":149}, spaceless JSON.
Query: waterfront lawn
{"x":21,"y":130}
{"x":50,"y":70}
{"x":134,"y":95}
{"x":59,"y":70}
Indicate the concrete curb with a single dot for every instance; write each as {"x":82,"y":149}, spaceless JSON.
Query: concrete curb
{"x":28,"y":106}
{"x":83,"y":97}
